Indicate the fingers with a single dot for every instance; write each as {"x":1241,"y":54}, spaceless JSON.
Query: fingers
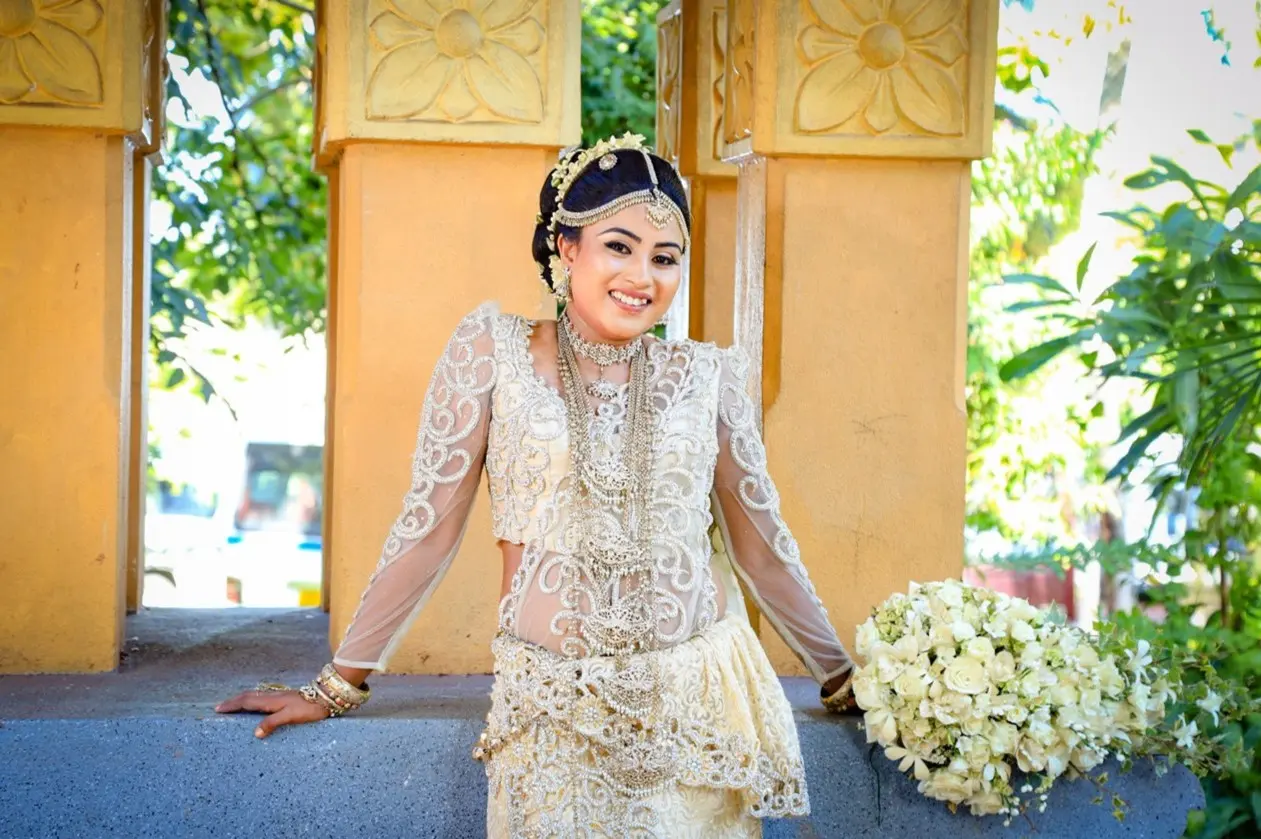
{"x":265,"y":702}
{"x":284,"y":716}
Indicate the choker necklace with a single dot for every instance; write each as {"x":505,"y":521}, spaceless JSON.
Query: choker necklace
{"x":603,"y":355}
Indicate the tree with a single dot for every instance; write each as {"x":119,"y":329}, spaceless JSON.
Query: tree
{"x":247,"y":212}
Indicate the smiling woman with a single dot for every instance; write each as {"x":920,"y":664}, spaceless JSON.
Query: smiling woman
{"x":628,"y":699}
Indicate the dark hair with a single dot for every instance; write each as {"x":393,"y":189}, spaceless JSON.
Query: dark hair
{"x":596,"y":187}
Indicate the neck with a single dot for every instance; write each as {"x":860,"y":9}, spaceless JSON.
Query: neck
{"x":584,"y":330}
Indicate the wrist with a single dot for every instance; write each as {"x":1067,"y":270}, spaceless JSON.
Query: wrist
{"x":336,"y":694}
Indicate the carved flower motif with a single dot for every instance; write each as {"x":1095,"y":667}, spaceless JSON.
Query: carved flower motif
{"x":885,"y":59}
{"x":459,"y":55}
{"x":42,"y":48}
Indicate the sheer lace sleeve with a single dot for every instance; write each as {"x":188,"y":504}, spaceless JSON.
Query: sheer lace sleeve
{"x":763,"y":551}
{"x":446,"y":468}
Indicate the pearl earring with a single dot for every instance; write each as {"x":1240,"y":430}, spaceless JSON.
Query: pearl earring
{"x":562,"y":285}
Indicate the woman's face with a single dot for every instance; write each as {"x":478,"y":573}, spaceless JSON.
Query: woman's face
{"x":624,"y":274}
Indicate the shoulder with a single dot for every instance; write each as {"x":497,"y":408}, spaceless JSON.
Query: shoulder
{"x":489,"y":319}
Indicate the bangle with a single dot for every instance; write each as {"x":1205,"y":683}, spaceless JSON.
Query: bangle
{"x":842,"y":699}
{"x":334,"y":693}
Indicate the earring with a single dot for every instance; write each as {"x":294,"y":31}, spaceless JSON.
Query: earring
{"x":562,"y":281}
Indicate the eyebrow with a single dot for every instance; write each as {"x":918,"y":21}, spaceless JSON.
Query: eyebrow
{"x":627,"y":233}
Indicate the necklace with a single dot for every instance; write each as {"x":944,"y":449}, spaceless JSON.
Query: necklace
{"x":603,"y":355}
{"x":621,"y":617}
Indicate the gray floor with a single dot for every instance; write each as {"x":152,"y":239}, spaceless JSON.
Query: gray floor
{"x":140,"y":753}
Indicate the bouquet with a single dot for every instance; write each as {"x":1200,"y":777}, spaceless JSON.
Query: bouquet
{"x":962,"y":686}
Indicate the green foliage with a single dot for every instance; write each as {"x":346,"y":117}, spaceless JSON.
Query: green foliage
{"x":1184,"y":327}
{"x":619,"y":68}
{"x":248,"y":228}
{"x":247,"y":211}
{"x":1025,"y":198}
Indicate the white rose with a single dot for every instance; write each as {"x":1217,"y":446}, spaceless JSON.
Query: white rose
{"x":962,"y":630}
{"x":980,"y":648}
{"x":868,"y":691}
{"x":974,"y":726}
{"x":1057,"y":759}
{"x":986,"y":803}
{"x":966,"y":675}
{"x":1018,"y":713}
{"x":906,"y":648}
{"x":996,"y":626}
{"x":1022,"y":631}
{"x":866,"y":638}
{"x":911,"y":685}
{"x":941,"y":636}
{"x":1002,"y":738}
{"x":1087,"y":658}
{"x":1063,"y":694}
{"x":951,"y":595}
{"x":1031,"y":655}
{"x":881,"y":725}
{"x":1022,"y":610}
{"x":888,"y":665}
{"x":1030,"y":755}
{"x":947,"y":786}
{"x":1110,"y":677}
{"x":1002,"y":667}
{"x":1086,"y":759}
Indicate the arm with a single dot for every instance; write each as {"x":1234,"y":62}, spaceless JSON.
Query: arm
{"x":763,"y":551}
{"x":446,"y":469}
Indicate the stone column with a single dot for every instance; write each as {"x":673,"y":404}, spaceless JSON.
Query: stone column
{"x":438,"y":125}
{"x":77,"y":113}
{"x":853,"y":126}
{"x":691,"y":42}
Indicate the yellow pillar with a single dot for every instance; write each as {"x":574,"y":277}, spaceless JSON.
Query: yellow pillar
{"x":853,"y":126}
{"x":691,"y":43}
{"x":438,"y":133}
{"x":74,"y":109}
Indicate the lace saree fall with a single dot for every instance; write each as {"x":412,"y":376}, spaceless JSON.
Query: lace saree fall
{"x":627,"y":701}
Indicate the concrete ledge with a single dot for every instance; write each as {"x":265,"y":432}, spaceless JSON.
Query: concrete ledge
{"x":139,"y":753}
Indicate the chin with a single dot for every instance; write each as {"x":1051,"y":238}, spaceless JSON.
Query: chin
{"x":627,"y":325}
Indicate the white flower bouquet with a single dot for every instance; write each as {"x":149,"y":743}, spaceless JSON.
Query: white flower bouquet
{"x":962,"y":686}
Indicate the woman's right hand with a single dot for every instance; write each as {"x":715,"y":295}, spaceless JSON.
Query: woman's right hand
{"x":283,"y":707}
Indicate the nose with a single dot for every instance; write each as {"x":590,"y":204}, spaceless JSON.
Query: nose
{"x":641,"y":274}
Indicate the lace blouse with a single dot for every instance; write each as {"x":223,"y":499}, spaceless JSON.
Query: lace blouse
{"x":487,"y":409}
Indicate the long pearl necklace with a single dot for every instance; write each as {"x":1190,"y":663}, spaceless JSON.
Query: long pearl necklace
{"x":622,"y":484}
{"x":603,"y":355}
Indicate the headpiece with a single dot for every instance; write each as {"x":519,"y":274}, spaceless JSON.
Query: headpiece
{"x":661,"y":208}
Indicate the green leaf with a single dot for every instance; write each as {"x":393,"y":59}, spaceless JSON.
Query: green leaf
{"x":176,"y":376}
{"x":1199,"y":136}
{"x":1141,"y":422}
{"x":1250,"y":186}
{"x":1040,"y":281}
{"x":1082,"y":266}
{"x":1186,"y":391}
{"x":1035,"y":357}
{"x":1139,"y":448}
{"x":1026,"y":305}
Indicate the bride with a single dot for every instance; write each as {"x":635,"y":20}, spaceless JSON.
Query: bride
{"x":627,"y":701}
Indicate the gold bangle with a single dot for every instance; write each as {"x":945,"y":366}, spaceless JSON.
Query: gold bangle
{"x":313,"y":695}
{"x":336,"y":684}
{"x":841,"y":699}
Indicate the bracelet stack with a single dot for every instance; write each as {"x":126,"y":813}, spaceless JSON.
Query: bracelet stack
{"x":334,"y":693}
{"x":842,"y":699}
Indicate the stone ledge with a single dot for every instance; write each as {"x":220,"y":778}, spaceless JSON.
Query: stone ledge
{"x":139,"y":753}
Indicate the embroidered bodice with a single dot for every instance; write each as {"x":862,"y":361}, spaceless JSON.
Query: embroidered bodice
{"x":487,"y":409}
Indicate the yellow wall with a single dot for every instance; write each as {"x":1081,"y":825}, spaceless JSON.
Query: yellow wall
{"x":714,"y":205}
{"x":65,"y":313}
{"x":866,"y":437}
{"x":427,"y":233}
